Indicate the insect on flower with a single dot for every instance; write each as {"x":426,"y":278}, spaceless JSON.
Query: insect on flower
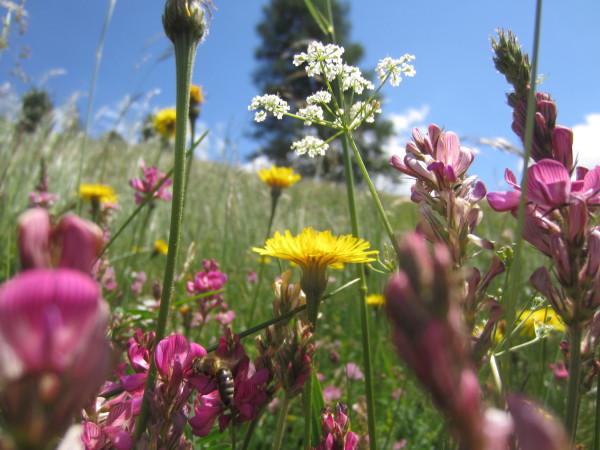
{"x":218,"y":369}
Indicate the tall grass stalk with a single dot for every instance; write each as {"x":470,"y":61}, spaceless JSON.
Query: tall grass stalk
{"x":185,"y":49}
{"x":513,"y":281}
{"x":92,"y":90}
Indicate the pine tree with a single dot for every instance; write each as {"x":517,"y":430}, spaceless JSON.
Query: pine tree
{"x":285,"y":30}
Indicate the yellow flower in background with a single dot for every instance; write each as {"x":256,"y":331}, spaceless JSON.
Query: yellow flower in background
{"x":375,"y":300}
{"x":161,"y":246}
{"x":279,"y":177}
{"x":546,"y":315}
{"x":98,"y":193}
{"x":164,"y":122}
{"x":196,"y":96}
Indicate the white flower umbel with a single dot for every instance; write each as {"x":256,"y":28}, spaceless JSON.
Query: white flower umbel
{"x":362,"y":111}
{"x":396,"y":67}
{"x":271,"y":103}
{"x":312,"y":113}
{"x":352,"y":79}
{"x":321,"y":59}
{"x":310,"y":146}
{"x":319,"y":97}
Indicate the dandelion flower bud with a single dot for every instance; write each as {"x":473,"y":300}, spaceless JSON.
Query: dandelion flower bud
{"x":185,"y":18}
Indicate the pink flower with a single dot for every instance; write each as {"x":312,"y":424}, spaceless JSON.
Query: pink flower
{"x":335,"y":430}
{"x":53,"y":349}
{"x":331,"y":393}
{"x":353,"y":372}
{"x":152,"y":177}
{"x":73,"y":242}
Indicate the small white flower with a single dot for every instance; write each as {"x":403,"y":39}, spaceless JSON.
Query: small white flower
{"x":311,"y":113}
{"x":395,"y":68}
{"x":319,"y":97}
{"x":271,"y":103}
{"x":352,"y":79}
{"x":362,"y":111}
{"x":321,"y":59}
{"x":310,"y":145}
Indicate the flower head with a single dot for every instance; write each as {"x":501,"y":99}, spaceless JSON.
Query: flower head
{"x":196,"y":96}
{"x":270,"y":104}
{"x":314,"y":251}
{"x":395,"y":68}
{"x":322,"y":59}
{"x":147,"y":186}
{"x":164,"y":122}
{"x":279,"y":177}
{"x":98,"y":193}
{"x":544,"y":317}
{"x":161,"y":246}
{"x":310,"y":145}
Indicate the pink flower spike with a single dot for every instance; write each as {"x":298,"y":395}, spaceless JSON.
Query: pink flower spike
{"x":145,"y":187}
{"x":80,"y":241}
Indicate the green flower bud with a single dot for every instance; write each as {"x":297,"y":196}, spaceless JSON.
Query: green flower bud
{"x":185,"y":18}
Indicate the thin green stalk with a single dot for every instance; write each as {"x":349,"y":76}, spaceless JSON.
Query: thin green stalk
{"x":275,"y":193}
{"x":380,"y":209}
{"x":88,"y":113}
{"x":185,"y":50}
{"x":574,"y":380}
{"x":511,"y":296}
{"x":281,"y":422}
{"x":362,"y":287}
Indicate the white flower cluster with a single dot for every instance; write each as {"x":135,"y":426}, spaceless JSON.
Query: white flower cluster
{"x":271,"y":103}
{"x":322,"y":59}
{"x":319,"y":97}
{"x":312,"y":113}
{"x":396,"y":67}
{"x":352,"y":79}
{"x":362,"y":111}
{"x":311,"y":146}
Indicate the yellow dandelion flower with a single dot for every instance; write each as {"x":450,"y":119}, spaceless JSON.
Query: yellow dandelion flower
{"x":546,"y":315}
{"x":196,"y":94}
{"x":314,"y":251}
{"x":279,"y":177}
{"x":376,"y":300}
{"x":161,"y":246}
{"x":164,"y":122}
{"x":98,"y":193}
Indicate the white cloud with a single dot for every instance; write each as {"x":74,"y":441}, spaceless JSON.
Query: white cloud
{"x":403,"y":124}
{"x":586,"y":141}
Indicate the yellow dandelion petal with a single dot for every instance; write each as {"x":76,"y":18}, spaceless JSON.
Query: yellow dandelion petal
{"x":164,"y":122}
{"x":279,"y":177}
{"x":161,"y":246}
{"x":196,"y":94}
{"x":545,"y":315}
{"x":375,"y":300}
{"x":317,"y":249}
{"x":100,"y":193}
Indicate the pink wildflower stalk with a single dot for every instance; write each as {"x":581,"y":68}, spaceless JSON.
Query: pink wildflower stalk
{"x":146,"y":186}
{"x":422,"y":304}
{"x":336,"y":430}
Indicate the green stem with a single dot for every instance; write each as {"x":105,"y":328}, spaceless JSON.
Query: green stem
{"x":380,"y":209}
{"x":281,"y":422}
{"x":362,"y":287}
{"x":511,"y":296}
{"x":185,"y":50}
{"x":275,"y":193}
{"x":573,"y":397}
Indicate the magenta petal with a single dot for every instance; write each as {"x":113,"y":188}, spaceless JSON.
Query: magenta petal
{"x":80,"y":240}
{"x":46,"y":316}
{"x":34,"y":239}
{"x":175,"y":346}
{"x":504,"y":201}
{"x":562,"y":146}
{"x":120,"y":439}
{"x":549,"y":183}
{"x":132,"y":383}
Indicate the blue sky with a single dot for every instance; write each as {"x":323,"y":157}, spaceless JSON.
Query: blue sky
{"x":456,"y":85}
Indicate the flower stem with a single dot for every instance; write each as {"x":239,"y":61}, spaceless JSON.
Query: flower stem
{"x":281,"y":422}
{"x":362,"y":288}
{"x":572,"y":402}
{"x":185,"y":50}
